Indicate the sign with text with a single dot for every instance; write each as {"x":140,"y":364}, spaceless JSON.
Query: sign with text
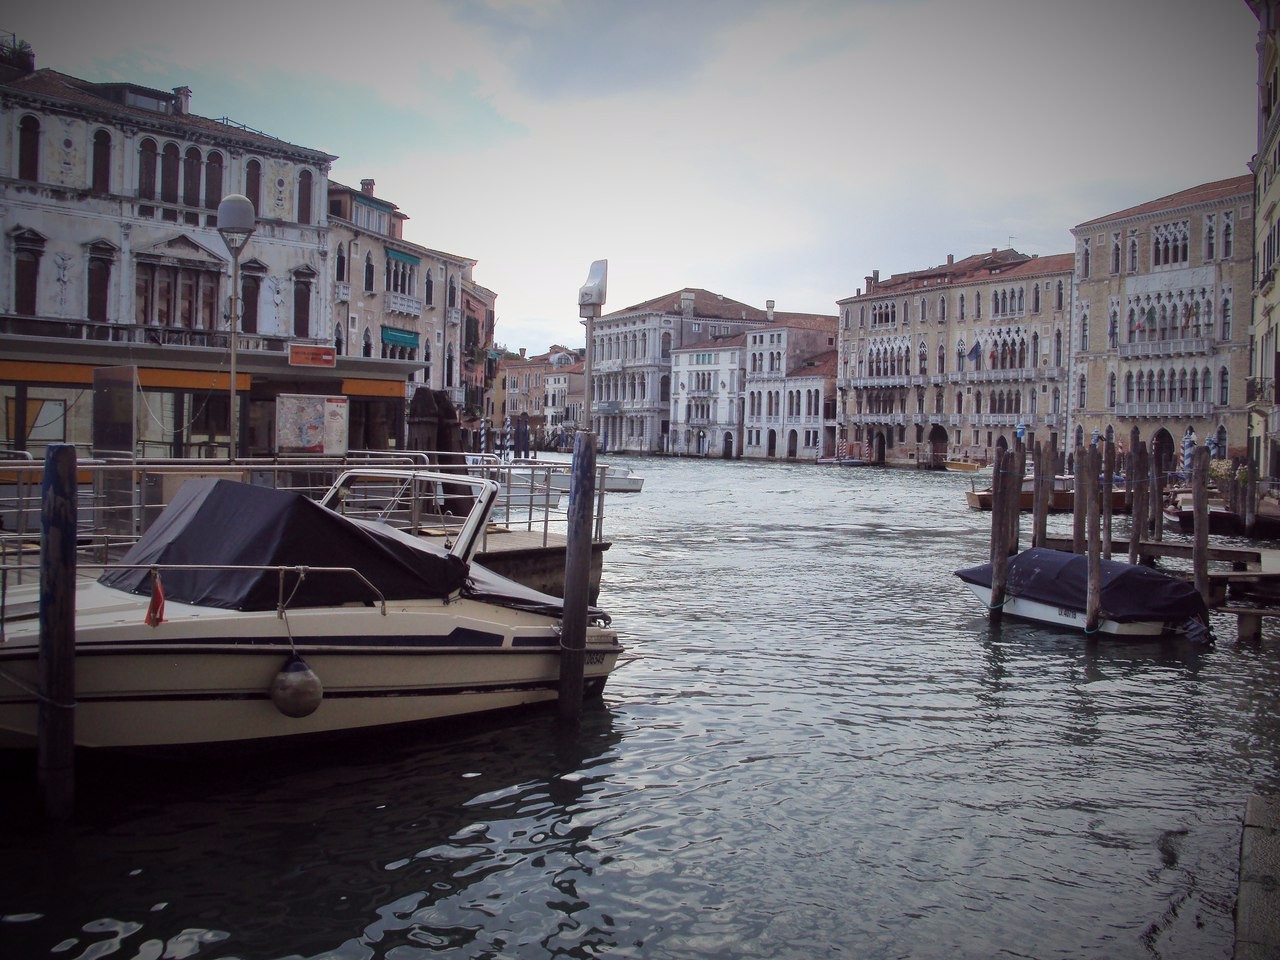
{"x":312,"y":355}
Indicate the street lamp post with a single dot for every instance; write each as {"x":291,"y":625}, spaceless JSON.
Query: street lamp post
{"x":236,"y":222}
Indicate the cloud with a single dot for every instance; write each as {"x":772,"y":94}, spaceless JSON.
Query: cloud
{"x":758,"y":148}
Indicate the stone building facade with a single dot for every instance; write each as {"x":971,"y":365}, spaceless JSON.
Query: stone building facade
{"x":1160,"y":327}
{"x":707,"y":398}
{"x":631,"y":376}
{"x":951,"y":361}
{"x":1263,"y":387}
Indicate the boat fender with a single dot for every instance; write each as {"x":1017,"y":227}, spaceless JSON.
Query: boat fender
{"x":296,"y":691}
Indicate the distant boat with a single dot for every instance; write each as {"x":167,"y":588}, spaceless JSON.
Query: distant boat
{"x":1050,"y":586}
{"x":843,"y":462}
{"x":965,"y":466}
{"x":1180,"y":513}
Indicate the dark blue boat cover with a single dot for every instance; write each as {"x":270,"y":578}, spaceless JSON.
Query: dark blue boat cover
{"x":1129,"y":592}
{"x":225,"y":523}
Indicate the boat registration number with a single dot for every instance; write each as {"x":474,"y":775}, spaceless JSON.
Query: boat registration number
{"x":593,"y":658}
{"x":1068,"y":614}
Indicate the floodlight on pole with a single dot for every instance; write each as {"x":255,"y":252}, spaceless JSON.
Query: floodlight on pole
{"x":236,"y":223}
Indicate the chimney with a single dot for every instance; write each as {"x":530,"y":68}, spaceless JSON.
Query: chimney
{"x":951,"y":259}
{"x":366,"y":187}
{"x":522,"y":349}
{"x":686,"y":303}
{"x":994,"y":251}
{"x":182,"y":100}
{"x":768,"y":310}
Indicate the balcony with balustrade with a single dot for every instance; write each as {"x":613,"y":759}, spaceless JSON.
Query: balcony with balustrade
{"x":1178,"y":347}
{"x":404,"y":304}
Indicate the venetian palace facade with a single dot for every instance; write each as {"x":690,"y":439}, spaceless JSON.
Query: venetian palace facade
{"x":1161,"y":320}
{"x":951,"y":361}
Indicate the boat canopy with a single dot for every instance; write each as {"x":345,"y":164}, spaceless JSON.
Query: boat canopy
{"x":1129,"y":592}
{"x":224,"y":523}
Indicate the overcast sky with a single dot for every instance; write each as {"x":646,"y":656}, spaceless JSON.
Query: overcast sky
{"x":761,"y":149}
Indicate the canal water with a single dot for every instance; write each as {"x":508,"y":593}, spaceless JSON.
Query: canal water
{"x":820,"y":750}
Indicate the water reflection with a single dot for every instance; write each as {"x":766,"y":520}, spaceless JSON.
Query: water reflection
{"x":823,"y":748}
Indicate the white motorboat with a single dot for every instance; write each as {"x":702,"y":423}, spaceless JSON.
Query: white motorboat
{"x":617,"y":479}
{"x":250,"y":614}
{"x":1050,"y":586}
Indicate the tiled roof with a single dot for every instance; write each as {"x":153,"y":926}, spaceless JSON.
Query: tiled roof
{"x":706,"y":306}
{"x":52,"y":86}
{"x":819,"y":365}
{"x":806,"y":321}
{"x":972,"y":269}
{"x":1204,"y":193}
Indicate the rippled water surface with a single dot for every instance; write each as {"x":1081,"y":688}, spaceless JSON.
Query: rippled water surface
{"x":821,"y":750}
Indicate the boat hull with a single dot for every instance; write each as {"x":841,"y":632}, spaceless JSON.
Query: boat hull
{"x":205,"y":676}
{"x":1037,"y":612}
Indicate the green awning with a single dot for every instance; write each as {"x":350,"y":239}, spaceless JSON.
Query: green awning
{"x":403,"y":257}
{"x":401,"y":338}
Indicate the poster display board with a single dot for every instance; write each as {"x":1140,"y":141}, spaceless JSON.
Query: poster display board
{"x":312,"y":424}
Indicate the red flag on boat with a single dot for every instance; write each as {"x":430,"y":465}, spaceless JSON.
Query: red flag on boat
{"x":155,"y":609}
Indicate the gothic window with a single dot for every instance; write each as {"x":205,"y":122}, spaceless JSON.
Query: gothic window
{"x":366,"y":344}
{"x":1035,"y":299}
{"x":368,"y":273}
{"x":428,"y":290}
{"x":1115,"y":253}
{"x":101,"y":181}
{"x":1058,"y":298}
{"x":1226,"y":319}
{"x":170,"y":163}
{"x":1128,"y":387}
{"x":942,"y":359}
{"x":1133,"y":255}
{"x":253,"y":185}
{"x":213,"y":180}
{"x":1083,"y":392}
{"x":147,"y":170}
{"x":29,"y":149}
{"x":1208,"y":240}
{"x":191,"y":162}
{"x":1021,"y":299}
{"x":1086,"y":258}
{"x":1084,"y":332}
{"x":1226,"y":237}
{"x":340,"y":269}
{"x":977,"y":305}
{"x":962,"y":306}
{"x":1224,"y":393}
{"x":304,"y":196}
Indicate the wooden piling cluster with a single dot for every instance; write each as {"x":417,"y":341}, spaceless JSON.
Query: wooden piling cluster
{"x":1095,"y":467}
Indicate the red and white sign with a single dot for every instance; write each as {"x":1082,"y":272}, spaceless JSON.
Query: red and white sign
{"x":312,"y":355}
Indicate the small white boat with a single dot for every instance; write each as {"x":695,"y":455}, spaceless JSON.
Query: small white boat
{"x":250,"y":614}
{"x":616,"y":480}
{"x":1050,"y":586}
{"x":965,"y":466}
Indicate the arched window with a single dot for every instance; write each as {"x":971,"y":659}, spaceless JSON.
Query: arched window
{"x":340,"y":264}
{"x":253,"y":185}
{"x":250,"y":293}
{"x":147,"y":170}
{"x":1083,"y":392}
{"x":1058,"y":298}
{"x":1115,"y":254}
{"x":1224,"y":392}
{"x":28,"y":250}
{"x":191,"y":163}
{"x":1057,"y":348}
{"x":1128,"y":387}
{"x":1133,"y":255}
{"x":1035,"y":299}
{"x":962,"y":306}
{"x":304,"y":196}
{"x":101,"y":257}
{"x":302,"y":302}
{"x":368,"y":273}
{"x":339,"y":339}
{"x":366,"y":344}
{"x":29,"y":149}
{"x":942,"y":309}
{"x":213,"y":180}
{"x":1111,"y":391}
{"x":170,"y":164}
{"x":453,"y":293}
{"x":101,"y":177}
{"x":1226,"y":319}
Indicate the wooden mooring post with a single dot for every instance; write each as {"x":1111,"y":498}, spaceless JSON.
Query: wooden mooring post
{"x":1200,"y":513}
{"x":1140,"y":477}
{"x":1000,"y":484}
{"x":56,"y":657}
{"x":577,"y":576}
{"x":1087,"y":483}
{"x":1108,"y":485}
{"x":1044,"y":460}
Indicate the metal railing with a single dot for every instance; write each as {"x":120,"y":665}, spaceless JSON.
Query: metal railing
{"x":117,"y":502}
